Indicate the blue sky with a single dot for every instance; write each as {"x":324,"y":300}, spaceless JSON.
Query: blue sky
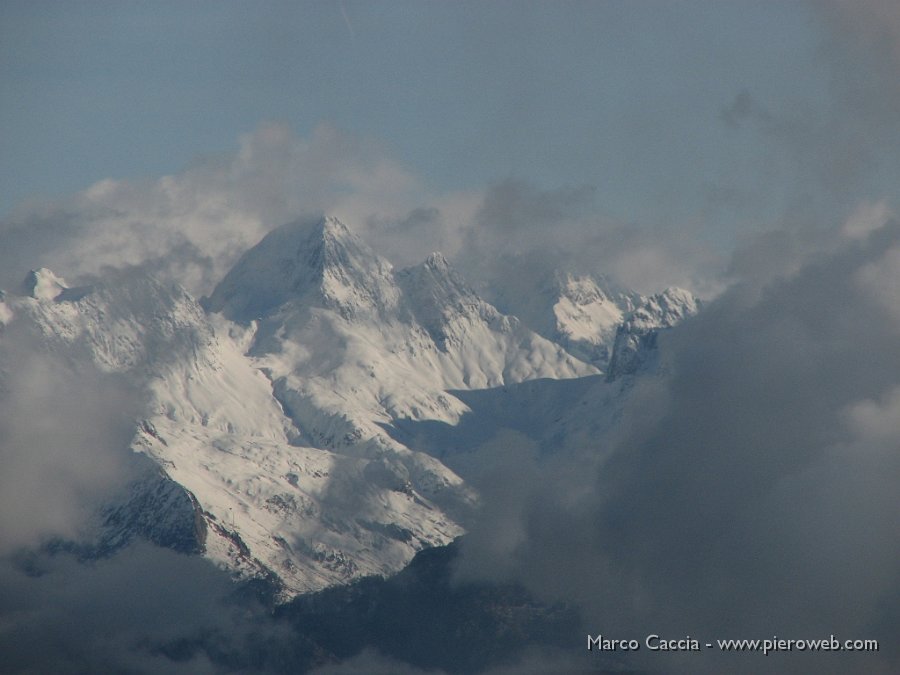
{"x":624,"y":96}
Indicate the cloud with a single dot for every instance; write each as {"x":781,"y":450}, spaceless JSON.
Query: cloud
{"x":370,"y":662}
{"x":64,"y":442}
{"x":531,"y":662}
{"x":739,"y":110}
{"x":65,"y":434}
{"x":746,"y":490}
{"x":145,"y":610}
{"x":522,"y":233}
{"x":824,"y":155}
{"x":194,"y":225}
{"x":867,"y":218}
{"x":511,"y":236}
{"x":440,"y":223}
{"x":873,"y":22}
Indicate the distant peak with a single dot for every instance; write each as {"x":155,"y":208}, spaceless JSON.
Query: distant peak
{"x":43,"y":284}
{"x":321,"y":260}
{"x":437,"y":269}
{"x":437,"y":261}
{"x":435,"y":282}
{"x":663,"y":310}
{"x":332,"y":226}
{"x":674,"y":300}
{"x":674,"y":293}
{"x":324,"y":229}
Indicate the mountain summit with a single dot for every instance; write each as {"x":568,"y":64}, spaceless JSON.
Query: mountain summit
{"x":42,"y":284}
{"x":318,"y":261}
{"x":635,"y":345}
{"x":352,"y":345}
{"x":272,"y":407}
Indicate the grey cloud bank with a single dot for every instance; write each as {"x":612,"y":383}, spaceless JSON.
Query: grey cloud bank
{"x":192,"y":226}
{"x":64,"y":438}
{"x":748,"y":489}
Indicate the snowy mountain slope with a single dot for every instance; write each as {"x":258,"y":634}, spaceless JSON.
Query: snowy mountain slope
{"x":351,"y":345}
{"x":580,"y":312}
{"x":127,"y":323}
{"x":587,"y":313}
{"x":284,"y":415}
{"x":318,"y":263}
{"x":309,"y":516}
{"x":261,"y":504}
{"x":479,"y":347}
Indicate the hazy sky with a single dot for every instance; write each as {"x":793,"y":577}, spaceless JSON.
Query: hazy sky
{"x":627,"y":97}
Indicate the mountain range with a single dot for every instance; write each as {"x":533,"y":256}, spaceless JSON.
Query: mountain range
{"x":304,"y":422}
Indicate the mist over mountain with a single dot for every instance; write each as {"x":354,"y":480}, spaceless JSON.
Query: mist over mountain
{"x":268,"y":419}
{"x":322,"y":417}
{"x":437,"y":338}
{"x":272,"y":408}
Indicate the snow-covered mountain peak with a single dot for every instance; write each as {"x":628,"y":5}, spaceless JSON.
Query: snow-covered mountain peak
{"x":437,"y":261}
{"x":307,"y":263}
{"x":333,"y":227}
{"x":438,"y":299}
{"x":335,"y":244}
{"x":578,"y":311}
{"x":579,"y":288}
{"x":271,"y":415}
{"x":234,"y":476}
{"x":122,"y":323}
{"x":43,"y":284}
{"x":584,"y":311}
{"x":435,"y":282}
{"x":664,"y":309}
{"x":635,"y":345}
{"x":350,"y":344}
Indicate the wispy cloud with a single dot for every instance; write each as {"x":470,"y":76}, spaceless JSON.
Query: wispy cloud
{"x":193,"y":225}
{"x":347,"y":20}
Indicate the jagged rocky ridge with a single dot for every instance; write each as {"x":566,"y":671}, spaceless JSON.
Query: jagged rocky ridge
{"x":635,"y":343}
{"x":577,"y":311}
{"x":269,"y":404}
